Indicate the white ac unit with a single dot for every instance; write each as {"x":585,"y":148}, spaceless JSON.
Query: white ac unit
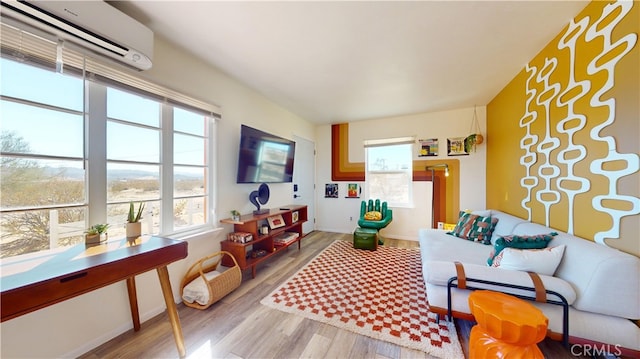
{"x":94,"y":25}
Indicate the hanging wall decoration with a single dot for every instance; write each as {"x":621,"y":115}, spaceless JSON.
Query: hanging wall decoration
{"x":455,"y":146}
{"x":428,"y":147}
{"x":475,"y":138}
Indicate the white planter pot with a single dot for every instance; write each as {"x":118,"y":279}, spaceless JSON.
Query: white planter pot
{"x":134,"y":229}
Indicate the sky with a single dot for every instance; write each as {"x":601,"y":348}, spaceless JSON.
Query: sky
{"x":60,"y":133}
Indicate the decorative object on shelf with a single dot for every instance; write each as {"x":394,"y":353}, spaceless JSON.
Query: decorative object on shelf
{"x":276,"y":221}
{"x":353,"y":190}
{"x":331,"y":190}
{"x":258,"y":253}
{"x":456,"y":147}
{"x":240,"y":237}
{"x":261,"y":196}
{"x":285,"y":238}
{"x":294,"y":217}
{"x":134,"y":226}
{"x":235,"y":215}
{"x":428,"y":147}
{"x":264,"y":229}
{"x":475,"y":138}
{"x":96,"y":234}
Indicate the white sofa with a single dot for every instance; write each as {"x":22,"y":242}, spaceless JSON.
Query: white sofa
{"x":601,"y":284}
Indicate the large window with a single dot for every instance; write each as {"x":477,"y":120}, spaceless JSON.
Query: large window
{"x":76,"y":150}
{"x":389,"y":171}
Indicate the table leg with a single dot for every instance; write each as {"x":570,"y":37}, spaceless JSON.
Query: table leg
{"x":133,"y":302}
{"x":163,"y":274}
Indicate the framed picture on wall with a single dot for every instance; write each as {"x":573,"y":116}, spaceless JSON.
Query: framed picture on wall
{"x":455,"y":146}
{"x":353,"y":190}
{"x":331,"y":190}
{"x":428,"y":147}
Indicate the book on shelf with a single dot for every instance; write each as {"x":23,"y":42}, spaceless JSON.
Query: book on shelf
{"x":285,"y":238}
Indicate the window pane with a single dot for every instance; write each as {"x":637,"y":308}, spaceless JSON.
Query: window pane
{"x":38,"y":182}
{"x":189,"y":212}
{"x":189,"y":150}
{"x":133,"y":182}
{"x":389,"y":174}
{"x":189,"y":122}
{"x":34,"y":231}
{"x":392,"y":187}
{"x":132,"y":143}
{"x":133,"y":108}
{"x":389,"y":158}
{"x":38,"y":85}
{"x":36,"y":127}
{"x":189,"y":181}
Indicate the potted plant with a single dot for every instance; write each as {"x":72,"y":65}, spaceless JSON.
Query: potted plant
{"x":235,"y":215}
{"x":134,"y":227}
{"x":470,"y":142}
{"x":475,"y":138}
{"x":96,"y":234}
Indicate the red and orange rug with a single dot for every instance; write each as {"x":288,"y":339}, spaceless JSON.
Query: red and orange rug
{"x":379,"y":294}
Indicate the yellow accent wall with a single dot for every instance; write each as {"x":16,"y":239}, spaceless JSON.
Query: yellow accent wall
{"x":563,"y":136}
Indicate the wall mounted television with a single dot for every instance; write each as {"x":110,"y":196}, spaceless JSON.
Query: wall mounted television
{"x":264,"y":158}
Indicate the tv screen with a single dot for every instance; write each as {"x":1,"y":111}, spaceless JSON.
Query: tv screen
{"x":263,"y":157}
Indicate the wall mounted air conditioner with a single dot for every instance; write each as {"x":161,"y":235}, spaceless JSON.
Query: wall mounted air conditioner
{"x":94,"y":25}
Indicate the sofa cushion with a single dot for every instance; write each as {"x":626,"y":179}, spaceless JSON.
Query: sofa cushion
{"x":542,"y":261}
{"x":536,"y":241}
{"x":436,"y":244}
{"x":439,"y":273}
{"x":474,"y":227}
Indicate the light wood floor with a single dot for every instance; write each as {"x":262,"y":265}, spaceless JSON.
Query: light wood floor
{"x":238,"y":326}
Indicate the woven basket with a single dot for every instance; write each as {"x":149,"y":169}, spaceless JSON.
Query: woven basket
{"x":218,"y":286}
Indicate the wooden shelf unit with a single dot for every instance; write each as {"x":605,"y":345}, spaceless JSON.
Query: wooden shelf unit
{"x":251,"y":223}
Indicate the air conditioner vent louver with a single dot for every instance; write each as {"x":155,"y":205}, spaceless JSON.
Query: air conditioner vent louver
{"x":94,"y":25}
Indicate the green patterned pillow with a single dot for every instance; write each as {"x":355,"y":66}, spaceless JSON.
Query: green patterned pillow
{"x":474,"y":227}
{"x":537,"y":241}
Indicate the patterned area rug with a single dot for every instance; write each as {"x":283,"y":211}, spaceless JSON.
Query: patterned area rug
{"x":379,"y":294}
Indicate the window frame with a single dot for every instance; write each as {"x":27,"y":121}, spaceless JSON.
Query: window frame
{"x":402,"y":141}
{"x":36,"y":51}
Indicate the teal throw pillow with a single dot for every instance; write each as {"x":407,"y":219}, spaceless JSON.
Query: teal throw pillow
{"x":474,"y":227}
{"x":537,"y":241}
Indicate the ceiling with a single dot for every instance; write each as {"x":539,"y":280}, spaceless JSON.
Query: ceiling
{"x":341,"y":61}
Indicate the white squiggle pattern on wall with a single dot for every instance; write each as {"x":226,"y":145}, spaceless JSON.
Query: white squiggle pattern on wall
{"x":529,"y":181}
{"x":548,"y":172}
{"x":571,"y":184}
{"x":631,"y":160}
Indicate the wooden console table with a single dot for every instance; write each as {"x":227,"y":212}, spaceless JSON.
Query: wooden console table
{"x":293,"y":216}
{"x":41,"y":282}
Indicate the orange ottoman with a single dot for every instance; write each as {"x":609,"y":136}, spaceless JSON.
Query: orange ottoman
{"x":508,"y":327}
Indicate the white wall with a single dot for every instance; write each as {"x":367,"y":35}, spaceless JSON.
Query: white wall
{"x":73,"y":327}
{"x":341,"y":214}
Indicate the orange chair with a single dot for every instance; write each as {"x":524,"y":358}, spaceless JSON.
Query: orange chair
{"x":508,"y":327}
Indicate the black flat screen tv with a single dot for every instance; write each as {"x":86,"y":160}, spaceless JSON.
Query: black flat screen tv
{"x":264,"y":158}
